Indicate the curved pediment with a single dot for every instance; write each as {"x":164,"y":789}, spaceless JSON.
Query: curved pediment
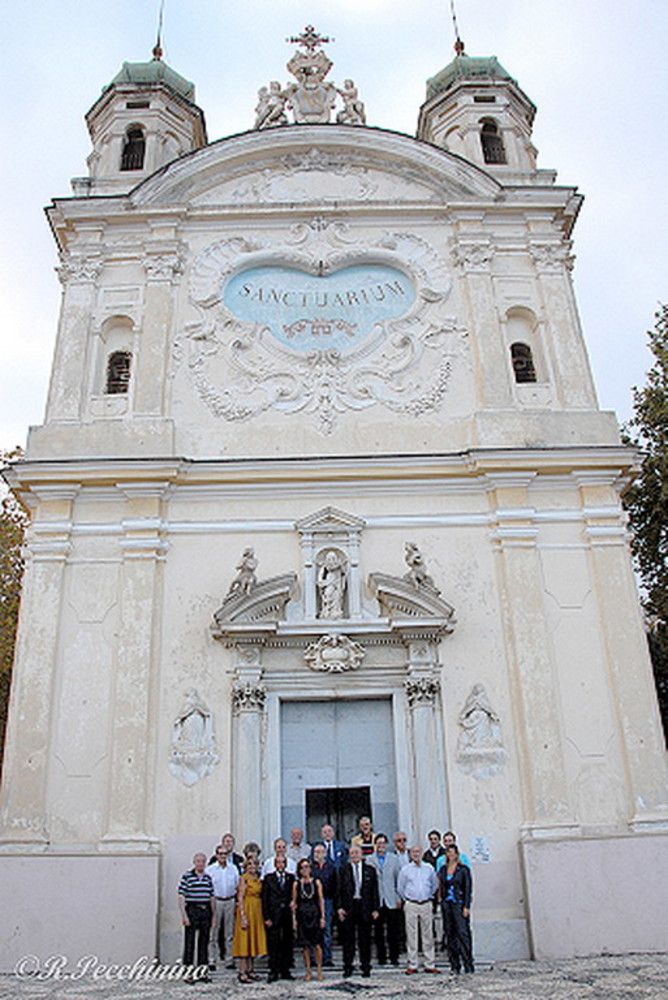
{"x":286,"y":166}
{"x":265,"y":602}
{"x":399,"y":598}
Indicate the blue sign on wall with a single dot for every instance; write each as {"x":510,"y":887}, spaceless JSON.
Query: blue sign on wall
{"x":307,"y":312}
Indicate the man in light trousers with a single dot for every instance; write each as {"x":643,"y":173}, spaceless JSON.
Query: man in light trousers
{"x":417,"y":885}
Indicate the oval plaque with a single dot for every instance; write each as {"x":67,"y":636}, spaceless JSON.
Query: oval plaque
{"x":306,"y":312}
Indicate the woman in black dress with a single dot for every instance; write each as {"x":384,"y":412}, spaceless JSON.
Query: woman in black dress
{"x":455,"y":889}
{"x":308,"y":908}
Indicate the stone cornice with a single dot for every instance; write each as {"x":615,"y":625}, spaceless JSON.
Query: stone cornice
{"x":608,"y":463}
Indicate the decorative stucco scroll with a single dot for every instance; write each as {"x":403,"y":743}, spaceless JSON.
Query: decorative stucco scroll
{"x":193,"y":753}
{"x":480,"y":749}
{"x":240,"y":368}
{"x":334,"y":654}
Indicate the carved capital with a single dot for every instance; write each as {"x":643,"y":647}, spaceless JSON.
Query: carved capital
{"x":552,"y":257}
{"x":248,"y":697}
{"x":79,"y":268}
{"x":334,"y":654}
{"x":473,"y":256}
{"x":422,"y":691}
{"x":163,"y":266}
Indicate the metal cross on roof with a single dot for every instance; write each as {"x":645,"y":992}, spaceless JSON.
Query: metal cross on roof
{"x":310,"y":39}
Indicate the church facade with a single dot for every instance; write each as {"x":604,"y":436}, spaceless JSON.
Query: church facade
{"x":326,"y":521}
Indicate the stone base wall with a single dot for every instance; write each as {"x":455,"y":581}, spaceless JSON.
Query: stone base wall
{"x":597,"y":895}
{"x":75,"y":906}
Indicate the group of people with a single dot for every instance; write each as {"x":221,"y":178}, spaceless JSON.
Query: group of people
{"x":239,"y":908}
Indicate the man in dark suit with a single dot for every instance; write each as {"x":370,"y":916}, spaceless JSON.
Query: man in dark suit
{"x":276,"y":899}
{"x":335,"y":850}
{"x":357,"y":905}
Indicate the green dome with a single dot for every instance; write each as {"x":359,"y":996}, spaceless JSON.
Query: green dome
{"x":155,"y":71}
{"x":465,"y":67}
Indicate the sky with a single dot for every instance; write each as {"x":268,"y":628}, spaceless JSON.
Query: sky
{"x":596,"y":69}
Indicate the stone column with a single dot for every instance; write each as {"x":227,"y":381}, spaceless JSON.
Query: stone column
{"x":78,"y":273}
{"x":430,"y":805}
{"x":248,"y":708}
{"x":163,"y":265}
{"x":547,"y":809}
{"x":630,"y":671}
{"x":25,"y":808}
{"x":134,"y":697}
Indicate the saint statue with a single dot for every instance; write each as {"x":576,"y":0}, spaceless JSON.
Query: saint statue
{"x":331,"y":584}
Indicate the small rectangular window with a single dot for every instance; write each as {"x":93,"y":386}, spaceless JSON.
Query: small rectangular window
{"x":484,"y":98}
{"x":138,"y":104}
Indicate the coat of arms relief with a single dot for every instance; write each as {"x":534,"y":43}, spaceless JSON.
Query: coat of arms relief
{"x":319,"y":323}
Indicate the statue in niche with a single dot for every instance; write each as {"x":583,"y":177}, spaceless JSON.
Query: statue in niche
{"x":353,"y":109}
{"x":245,"y":580}
{"x":480,"y":749}
{"x":417,"y":569}
{"x":270,"y":108}
{"x":331,"y":584}
{"x":193,"y":754}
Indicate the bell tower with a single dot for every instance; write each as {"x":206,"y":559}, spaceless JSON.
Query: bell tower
{"x":474,"y":108}
{"x":142,"y":120}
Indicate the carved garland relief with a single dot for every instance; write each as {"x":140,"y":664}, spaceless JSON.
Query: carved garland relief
{"x":321,"y":323}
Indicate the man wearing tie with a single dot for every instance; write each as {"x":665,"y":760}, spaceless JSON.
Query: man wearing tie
{"x":335,"y":850}
{"x":276,"y":899}
{"x":358,"y":904}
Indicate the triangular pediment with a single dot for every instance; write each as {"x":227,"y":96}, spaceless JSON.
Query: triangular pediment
{"x":289,"y":166}
{"x":330,"y":519}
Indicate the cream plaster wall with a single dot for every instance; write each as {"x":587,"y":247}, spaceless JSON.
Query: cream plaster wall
{"x":142,"y":508}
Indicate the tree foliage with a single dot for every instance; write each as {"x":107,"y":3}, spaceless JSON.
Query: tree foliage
{"x":13,"y":522}
{"x":646,"y":501}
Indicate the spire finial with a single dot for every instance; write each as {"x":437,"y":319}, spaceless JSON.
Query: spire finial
{"x":459,"y":45}
{"x":157,"y":48}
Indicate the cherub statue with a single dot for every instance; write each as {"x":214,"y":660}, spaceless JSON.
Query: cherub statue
{"x":245,"y":579}
{"x":270,"y":108}
{"x":353,"y":109}
{"x":417,"y":568}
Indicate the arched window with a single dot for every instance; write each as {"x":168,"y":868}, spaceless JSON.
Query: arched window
{"x":118,"y":372}
{"x":134,"y":148}
{"x":523,"y":366}
{"x":493,"y":150}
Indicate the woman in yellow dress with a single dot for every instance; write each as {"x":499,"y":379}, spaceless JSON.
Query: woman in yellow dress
{"x":249,"y":935}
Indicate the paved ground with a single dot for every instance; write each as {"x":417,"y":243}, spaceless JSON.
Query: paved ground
{"x":630,"y":977}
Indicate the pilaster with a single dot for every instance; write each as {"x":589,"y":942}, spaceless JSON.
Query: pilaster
{"x":78,"y":272}
{"x":630,"y":673}
{"x":474,"y":256}
{"x":143,"y":547}
{"x":249,"y":718}
{"x":553,"y":262}
{"x":546,"y":804}
{"x":24,"y":817}
{"x":423,"y":695}
{"x":163,"y":265}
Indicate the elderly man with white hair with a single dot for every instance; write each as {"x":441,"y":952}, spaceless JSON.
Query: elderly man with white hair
{"x":417,"y":885}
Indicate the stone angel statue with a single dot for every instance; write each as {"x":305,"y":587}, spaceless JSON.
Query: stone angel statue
{"x":245,"y":579}
{"x":353,"y":112}
{"x":270,"y":109}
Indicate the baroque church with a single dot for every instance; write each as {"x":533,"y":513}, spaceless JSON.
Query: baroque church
{"x":326,"y":522}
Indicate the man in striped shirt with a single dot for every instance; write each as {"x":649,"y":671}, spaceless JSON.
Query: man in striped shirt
{"x":197,"y":907}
